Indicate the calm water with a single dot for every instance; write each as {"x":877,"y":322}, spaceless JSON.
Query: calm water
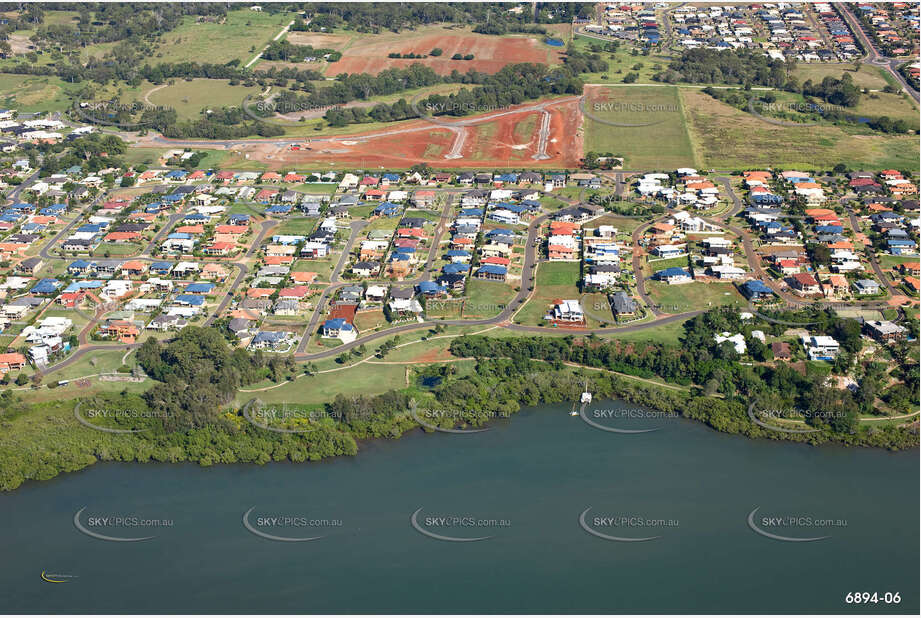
{"x":535,"y":474}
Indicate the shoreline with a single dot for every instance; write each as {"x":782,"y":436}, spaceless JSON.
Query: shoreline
{"x":607,"y":387}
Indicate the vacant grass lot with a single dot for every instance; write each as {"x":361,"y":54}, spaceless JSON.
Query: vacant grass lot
{"x":896,"y":106}
{"x":655,"y":265}
{"x":31,"y":93}
{"x":692,"y":296}
{"x":190,"y":97}
{"x":486,"y":299}
{"x":728,"y":138}
{"x":363,"y":379}
{"x":239,"y":37}
{"x":655,"y":135}
{"x":297,"y":226}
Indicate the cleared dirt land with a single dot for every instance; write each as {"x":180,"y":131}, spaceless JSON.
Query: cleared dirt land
{"x":368,"y":54}
{"x":318,"y":40}
{"x":496,"y":141}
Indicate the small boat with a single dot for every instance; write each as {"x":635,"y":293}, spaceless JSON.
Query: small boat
{"x":586,"y":397}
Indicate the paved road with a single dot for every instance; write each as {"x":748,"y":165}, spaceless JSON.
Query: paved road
{"x":45,"y":251}
{"x":334,"y":285}
{"x":242,"y":270}
{"x":873,"y":54}
{"x":502,"y":320}
{"x":638,"y":264}
{"x":13,"y":195}
{"x":871,"y":255}
{"x":754,"y":263}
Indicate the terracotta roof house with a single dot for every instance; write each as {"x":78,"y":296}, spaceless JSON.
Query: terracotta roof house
{"x":804,"y":283}
{"x":781,"y":350}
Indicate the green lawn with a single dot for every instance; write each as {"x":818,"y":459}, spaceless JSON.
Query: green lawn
{"x":363,"y":379}
{"x":692,"y":296}
{"x":486,"y":299}
{"x":297,"y":226}
{"x":92,"y":363}
{"x":892,"y":261}
{"x":558,"y":274}
{"x":190,"y":97}
{"x":653,"y":266}
{"x":644,"y":124}
{"x":666,"y":333}
{"x":870,"y":77}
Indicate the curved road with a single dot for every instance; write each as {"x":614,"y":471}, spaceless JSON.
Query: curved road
{"x":873,"y":55}
{"x":503,"y":319}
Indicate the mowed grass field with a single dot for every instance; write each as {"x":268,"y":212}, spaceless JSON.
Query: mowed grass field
{"x":233,"y":39}
{"x":656,"y":136}
{"x":693,"y":296}
{"x":190,"y":97}
{"x":725,"y":138}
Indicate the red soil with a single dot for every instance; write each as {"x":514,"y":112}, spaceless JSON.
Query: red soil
{"x":346,"y":312}
{"x":412,"y":144}
{"x":491,"y":53}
